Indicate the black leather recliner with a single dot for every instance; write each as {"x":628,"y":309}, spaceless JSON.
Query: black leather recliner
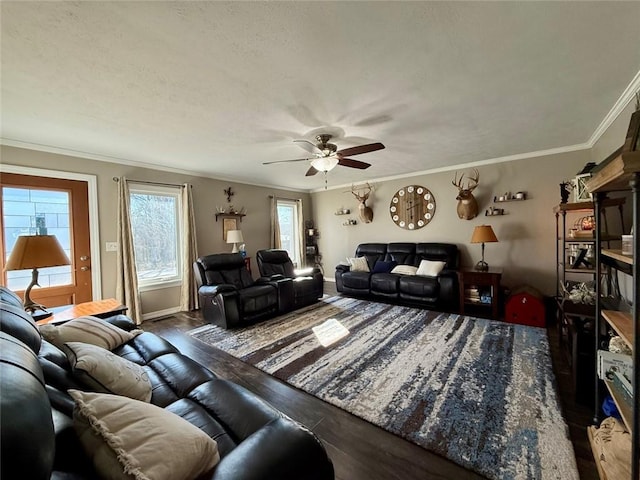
{"x":307,"y":287}
{"x":230,"y":298}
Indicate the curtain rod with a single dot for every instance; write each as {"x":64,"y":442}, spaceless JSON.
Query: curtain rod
{"x":284,"y":198}
{"x":116,"y":179}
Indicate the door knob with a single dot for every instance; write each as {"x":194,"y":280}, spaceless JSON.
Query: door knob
{"x":84,"y":268}
{"x":84,"y":258}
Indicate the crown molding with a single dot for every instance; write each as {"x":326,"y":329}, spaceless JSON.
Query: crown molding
{"x":134,"y":163}
{"x":616,"y":110}
{"x":479,"y":163}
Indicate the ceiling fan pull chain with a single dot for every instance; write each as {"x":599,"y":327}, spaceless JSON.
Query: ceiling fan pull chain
{"x":325,"y":180}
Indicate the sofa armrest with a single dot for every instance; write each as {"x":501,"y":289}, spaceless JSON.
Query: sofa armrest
{"x":280,"y":449}
{"x":122,"y":321}
{"x":220,"y":304}
{"x":342,"y":268}
{"x":284,"y":285}
{"x":448,"y":280}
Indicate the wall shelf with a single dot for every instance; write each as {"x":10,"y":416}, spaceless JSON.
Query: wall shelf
{"x":509,"y":199}
{"x":230,"y":215}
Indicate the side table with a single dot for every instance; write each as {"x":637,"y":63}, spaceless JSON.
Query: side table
{"x":480,"y":292}
{"x":99,"y":308}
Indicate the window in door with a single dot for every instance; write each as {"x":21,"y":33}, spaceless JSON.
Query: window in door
{"x":156,"y":225}
{"x":33,"y":211}
{"x":289,"y":229}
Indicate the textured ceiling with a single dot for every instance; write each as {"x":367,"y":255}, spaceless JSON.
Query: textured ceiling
{"x":217,"y":88}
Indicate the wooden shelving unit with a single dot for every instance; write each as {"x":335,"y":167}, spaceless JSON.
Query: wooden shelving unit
{"x":620,"y":171}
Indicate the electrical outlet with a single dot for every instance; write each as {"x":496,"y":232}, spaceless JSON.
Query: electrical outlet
{"x":111,"y":246}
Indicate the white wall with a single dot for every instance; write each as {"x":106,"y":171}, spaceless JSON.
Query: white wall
{"x":207,"y":193}
{"x":526,"y":234}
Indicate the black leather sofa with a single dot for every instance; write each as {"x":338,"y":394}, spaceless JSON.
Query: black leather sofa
{"x":440,"y":291}
{"x":275,"y":264}
{"x":230,"y":298}
{"x":255,"y":441}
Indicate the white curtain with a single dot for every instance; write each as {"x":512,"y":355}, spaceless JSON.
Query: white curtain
{"x":126,"y":274}
{"x":275,"y":224}
{"x":189,"y":292}
{"x":300,"y":236}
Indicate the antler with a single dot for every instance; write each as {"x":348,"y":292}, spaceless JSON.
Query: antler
{"x":457,"y":183}
{"x":363,"y":197}
{"x":473,"y":179}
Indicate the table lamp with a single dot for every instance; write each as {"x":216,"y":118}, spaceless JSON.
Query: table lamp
{"x":483,"y":234}
{"x":235,"y":237}
{"x":35,"y":251}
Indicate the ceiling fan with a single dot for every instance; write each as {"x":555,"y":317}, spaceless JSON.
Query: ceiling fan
{"x":326,"y":155}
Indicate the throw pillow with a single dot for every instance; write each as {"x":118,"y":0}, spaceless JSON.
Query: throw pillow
{"x":88,"y":329}
{"x":430,"y":268}
{"x":106,"y":372}
{"x":405,"y":270}
{"x":359,"y":264}
{"x":384,"y":267}
{"x":126,"y":439}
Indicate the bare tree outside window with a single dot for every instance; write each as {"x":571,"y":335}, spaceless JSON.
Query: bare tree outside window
{"x":155,"y":226}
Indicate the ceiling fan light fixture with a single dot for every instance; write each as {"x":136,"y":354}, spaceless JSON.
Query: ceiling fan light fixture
{"x":324,"y":164}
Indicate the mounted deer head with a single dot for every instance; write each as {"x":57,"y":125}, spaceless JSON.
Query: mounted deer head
{"x":366,"y":214}
{"x":467,"y":204}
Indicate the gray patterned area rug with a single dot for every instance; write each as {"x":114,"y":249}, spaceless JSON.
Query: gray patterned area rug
{"x":479,"y":392}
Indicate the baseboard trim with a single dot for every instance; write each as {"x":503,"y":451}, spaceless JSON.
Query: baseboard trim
{"x":160,"y":313}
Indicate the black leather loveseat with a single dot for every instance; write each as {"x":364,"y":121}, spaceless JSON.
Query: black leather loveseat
{"x":307,"y":286}
{"x":230,"y":298}
{"x":437,"y":291}
{"x":39,"y":441}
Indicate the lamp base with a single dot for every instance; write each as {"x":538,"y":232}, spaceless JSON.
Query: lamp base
{"x":482,"y":266}
{"x":41,"y":315}
{"x":235,"y":248}
{"x":29,"y":305}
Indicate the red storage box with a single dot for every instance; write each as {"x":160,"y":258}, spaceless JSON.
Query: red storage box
{"x":525,"y":306}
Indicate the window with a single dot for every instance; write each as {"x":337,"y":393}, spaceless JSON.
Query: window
{"x":31,"y":211}
{"x":289,"y":229}
{"x":156,"y":226}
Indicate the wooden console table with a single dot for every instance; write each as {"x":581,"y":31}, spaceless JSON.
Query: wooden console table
{"x":99,"y":308}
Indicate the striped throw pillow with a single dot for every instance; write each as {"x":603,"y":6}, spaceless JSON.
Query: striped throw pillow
{"x":88,"y":329}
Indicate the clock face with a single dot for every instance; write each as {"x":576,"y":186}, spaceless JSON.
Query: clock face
{"x":412,"y":207}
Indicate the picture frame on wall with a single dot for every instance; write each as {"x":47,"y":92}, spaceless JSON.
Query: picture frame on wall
{"x":228,"y":224}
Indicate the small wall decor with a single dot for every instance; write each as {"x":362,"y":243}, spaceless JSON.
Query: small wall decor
{"x":579,"y":184}
{"x":229,"y":193}
{"x":228,"y":224}
{"x":494,"y":211}
{"x":565,"y":190}
{"x":467,"y":205}
{"x":510,"y":197}
{"x":366,"y":213}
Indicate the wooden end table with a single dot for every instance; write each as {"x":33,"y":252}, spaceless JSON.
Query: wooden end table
{"x":99,"y":308}
{"x":480,"y":292}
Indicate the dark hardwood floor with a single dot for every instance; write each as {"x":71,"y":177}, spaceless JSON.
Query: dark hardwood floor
{"x":358,"y":449}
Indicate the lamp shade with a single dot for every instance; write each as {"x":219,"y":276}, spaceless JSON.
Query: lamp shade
{"x":234,"y":236}
{"x":36,"y":251}
{"x":483,"y":234}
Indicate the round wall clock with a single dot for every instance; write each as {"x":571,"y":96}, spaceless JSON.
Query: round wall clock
{"x":412,"y":207}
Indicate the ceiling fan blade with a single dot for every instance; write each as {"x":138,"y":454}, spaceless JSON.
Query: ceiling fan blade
{"x":285,"y":161}
{"x":349,"y":162}
{"x":308,"y":146}
{"x":310,"y":172}
{"x":371,"y":147}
